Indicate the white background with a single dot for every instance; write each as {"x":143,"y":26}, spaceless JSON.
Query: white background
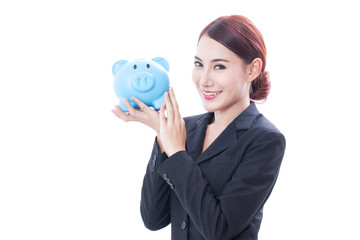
{"x":70,"y":170}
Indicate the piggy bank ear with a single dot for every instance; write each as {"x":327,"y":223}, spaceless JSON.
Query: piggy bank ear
{"x":162,"y":62}
{"x":119,"y":64}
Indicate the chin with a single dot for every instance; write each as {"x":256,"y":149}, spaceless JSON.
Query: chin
{"x":210,"y":107}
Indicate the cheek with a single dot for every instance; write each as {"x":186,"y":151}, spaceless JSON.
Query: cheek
{"x":195,"y":77}
{"x":235,"y":83}
{"x":228,"y":81}
{"x":237,"y":79}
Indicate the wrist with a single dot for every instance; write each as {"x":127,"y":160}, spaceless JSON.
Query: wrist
{"x":174,"y":151}
{"x":158,"y":139}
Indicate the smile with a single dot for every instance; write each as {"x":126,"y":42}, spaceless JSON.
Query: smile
{"x":208,"y":95}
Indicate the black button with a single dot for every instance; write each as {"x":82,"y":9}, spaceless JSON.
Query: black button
{"x":183,"y":225}
{"x":153,"y":163}
{"x":165,"y":176}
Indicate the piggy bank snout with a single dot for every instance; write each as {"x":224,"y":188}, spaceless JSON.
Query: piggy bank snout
{"x":142,"y":82}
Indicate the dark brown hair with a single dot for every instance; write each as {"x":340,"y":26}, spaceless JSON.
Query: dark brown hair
{"x":240,"y":35}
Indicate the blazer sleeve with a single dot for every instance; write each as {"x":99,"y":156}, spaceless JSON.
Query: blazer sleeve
{"x":226,"y":215}
{"x":155,"y":194}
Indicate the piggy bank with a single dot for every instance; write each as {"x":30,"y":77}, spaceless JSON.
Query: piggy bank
{"x":146,"y":80}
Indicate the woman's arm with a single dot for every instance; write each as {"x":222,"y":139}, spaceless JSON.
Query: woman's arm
{"x":155,"y":194}
{"x":227,"y":214}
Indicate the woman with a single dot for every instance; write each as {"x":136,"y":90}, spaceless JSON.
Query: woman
{"x":210,"y":175}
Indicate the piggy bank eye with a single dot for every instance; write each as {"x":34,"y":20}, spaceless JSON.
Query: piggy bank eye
{"x":148,"y":65}
{"x":135,"y":67}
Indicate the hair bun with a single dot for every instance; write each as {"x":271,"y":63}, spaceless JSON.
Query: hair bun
{"x":260,"y":87}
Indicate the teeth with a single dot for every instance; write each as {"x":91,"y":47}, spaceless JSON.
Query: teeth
{"x":211,"y":93}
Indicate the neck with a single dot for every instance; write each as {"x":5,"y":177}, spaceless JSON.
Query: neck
{"x":223,"y":117}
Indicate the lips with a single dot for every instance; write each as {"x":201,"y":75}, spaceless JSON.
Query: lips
{"x":208,"y":95}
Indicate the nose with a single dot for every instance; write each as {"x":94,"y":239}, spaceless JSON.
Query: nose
{"x":206,"y":79}
{"x":143,"y":82}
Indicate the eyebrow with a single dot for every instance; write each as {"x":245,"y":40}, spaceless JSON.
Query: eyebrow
{"x":214,"y":60}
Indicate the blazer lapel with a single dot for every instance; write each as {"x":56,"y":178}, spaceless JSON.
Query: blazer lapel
{"x":195,"y":136}
{"x":222,"y":142}
{"x":229,"y":135}
{"x":197,"y":130}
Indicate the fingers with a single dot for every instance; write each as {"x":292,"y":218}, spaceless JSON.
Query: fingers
{"x":140,"y":103}
{"x":130,"y":109}
{"x":124,"y":116}
{"x":174,"y":103}
{"x":172,"y":107}
{"x":169,"y":107}
{"x":120,"y":114}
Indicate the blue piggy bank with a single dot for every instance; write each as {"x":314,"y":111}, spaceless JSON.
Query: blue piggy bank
{"x":146,"y":80}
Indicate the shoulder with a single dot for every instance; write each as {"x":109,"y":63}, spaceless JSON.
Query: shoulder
{"x":254,"y":123}
{"x":253,"y":127}
{"x":262,"y":128}
{"x":262,"y":124}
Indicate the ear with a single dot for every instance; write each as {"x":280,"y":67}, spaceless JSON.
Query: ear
{"x":119,"y":64}
{"x":254,"y":69}
{"x":162,"y":62}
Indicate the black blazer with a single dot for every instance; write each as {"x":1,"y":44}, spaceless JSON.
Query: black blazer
{"x":218,"y":194}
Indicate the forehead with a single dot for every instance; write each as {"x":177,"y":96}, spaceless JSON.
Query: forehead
{"x":209,"y":49}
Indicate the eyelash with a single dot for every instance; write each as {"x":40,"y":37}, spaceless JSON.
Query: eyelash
{"x":197,"y":64}
{"x":218,"y":67}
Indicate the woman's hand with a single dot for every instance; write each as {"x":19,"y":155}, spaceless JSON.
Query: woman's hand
{"x":172,"y":127}
{"x":145,"y":115}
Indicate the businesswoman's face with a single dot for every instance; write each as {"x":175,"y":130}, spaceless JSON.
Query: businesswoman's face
{"x":220,"y":76}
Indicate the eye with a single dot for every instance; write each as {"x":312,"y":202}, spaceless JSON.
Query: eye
{"x":135,"y":67}
{"x":148,"y":65}
{"x":219,"y":67}
{"x":197,"y":64}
